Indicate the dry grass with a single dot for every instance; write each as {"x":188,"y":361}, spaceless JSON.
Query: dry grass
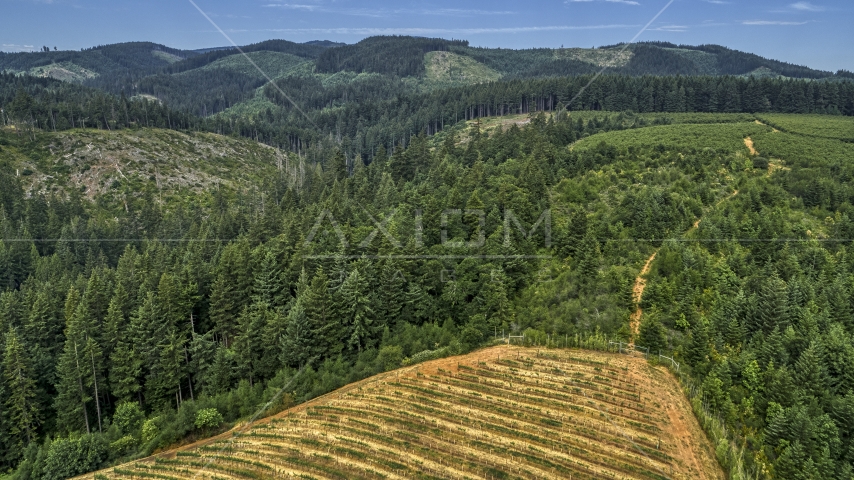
{"x":503,"y":412}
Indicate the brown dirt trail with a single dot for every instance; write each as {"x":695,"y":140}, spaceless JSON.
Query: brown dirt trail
{"x":748,"y":142}
{"x":637,"y":294}
{"x":640,"y":280}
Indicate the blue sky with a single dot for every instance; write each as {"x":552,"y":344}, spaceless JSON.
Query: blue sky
{"x":814,"y":33}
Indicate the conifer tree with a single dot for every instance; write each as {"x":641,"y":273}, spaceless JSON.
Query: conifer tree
{"x":773,"y":305}
{"x":142,"y":332}
{"x":275,"y":326}
{"x":163,"y":384}
{"x":810,"y":372}
{"x":391,"y":293}
{"x":652,"y":334}
{"x":203,"y":350}
{"x":94,"y":382}
{"x":416,"y":304}
{"x":837,"y":357}
{"x":43,"y":332}
{"x":115,"y":325}
{"x":297,"y":344}
{"x":72,"y":299}
{"x":327,"y":331}
{"x":222,"y":307}
{"x":95,"y":299}
{"x":588,"y":259}
{"x":222,"y":373}
{"x":338,"y":168}
{"x":22,"y":411}
{"x":71,"y":402}
{"x":269,"y":283}
{"x":359,"y":318}
{"x":173,"y":305}
{"x":698,"y":349}
{"x":249,"y":342}
{"x":495,"y":303}
{"x":125,"y":371}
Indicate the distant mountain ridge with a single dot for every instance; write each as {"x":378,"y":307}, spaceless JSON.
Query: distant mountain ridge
{"x":99,"y":60}
{"x":378,"y":54}
{"x":326,"y":76}
{"x":137,"y":59}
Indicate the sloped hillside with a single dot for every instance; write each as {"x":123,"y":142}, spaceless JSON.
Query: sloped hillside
{"x":503,"y":412}
{"x":113,"y":163}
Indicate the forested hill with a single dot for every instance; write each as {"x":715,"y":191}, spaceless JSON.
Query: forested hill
{"x":403,"y":56}
{"x":128,"y":327}
{"x":78,"y":66}
{"x":108,"y":64}
{"x":208,"y":81}
{"x":369,"y":105}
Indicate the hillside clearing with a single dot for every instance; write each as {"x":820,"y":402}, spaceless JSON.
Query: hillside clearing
{"x":453,"y":69}
{"x":64,"y":71}
{"x":99,"y":162}
{"x":601,"y":57}
{"x":503,"y":412}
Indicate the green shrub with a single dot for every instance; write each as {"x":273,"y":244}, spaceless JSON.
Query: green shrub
{"x":150,"y":430}
{"x":389,"y":357}
{"x":470,"y":338}
{"x":760,"y":163}
{"x":124,"y":445}
{"x":129,"y":417}
{"x":69,"y":457}
{"x":208,"y":418}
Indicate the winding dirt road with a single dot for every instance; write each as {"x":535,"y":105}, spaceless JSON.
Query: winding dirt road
{"x":640,"y":280}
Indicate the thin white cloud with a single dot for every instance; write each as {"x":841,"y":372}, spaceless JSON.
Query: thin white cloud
{"x":670,"y":28}
{"x":12,"y":47}
{"x":717,"y":2}
{"x":294,"y":6}
{"x":226,"y":15}
{"x":625,"y":2}
{"x":770,"y":22}
{"x":433,"y":31}
{"x":462,"y":12}
{"x":806,"y":7}
{"x":384,"y":12}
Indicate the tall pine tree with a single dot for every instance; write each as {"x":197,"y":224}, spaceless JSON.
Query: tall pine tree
{"x":22,"y":411}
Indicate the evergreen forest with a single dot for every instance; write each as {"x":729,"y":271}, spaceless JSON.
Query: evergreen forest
{"x":380,"y":220}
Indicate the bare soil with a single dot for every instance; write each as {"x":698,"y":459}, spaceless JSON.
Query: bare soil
{"x":748,"y":142}
{"x":637,"y":293}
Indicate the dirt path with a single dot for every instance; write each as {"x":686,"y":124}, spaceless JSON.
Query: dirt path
{"x":758,"y":122}
{"x":640,"y":280}
{"x":637,"y":295}
{"x":748,"y":142}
